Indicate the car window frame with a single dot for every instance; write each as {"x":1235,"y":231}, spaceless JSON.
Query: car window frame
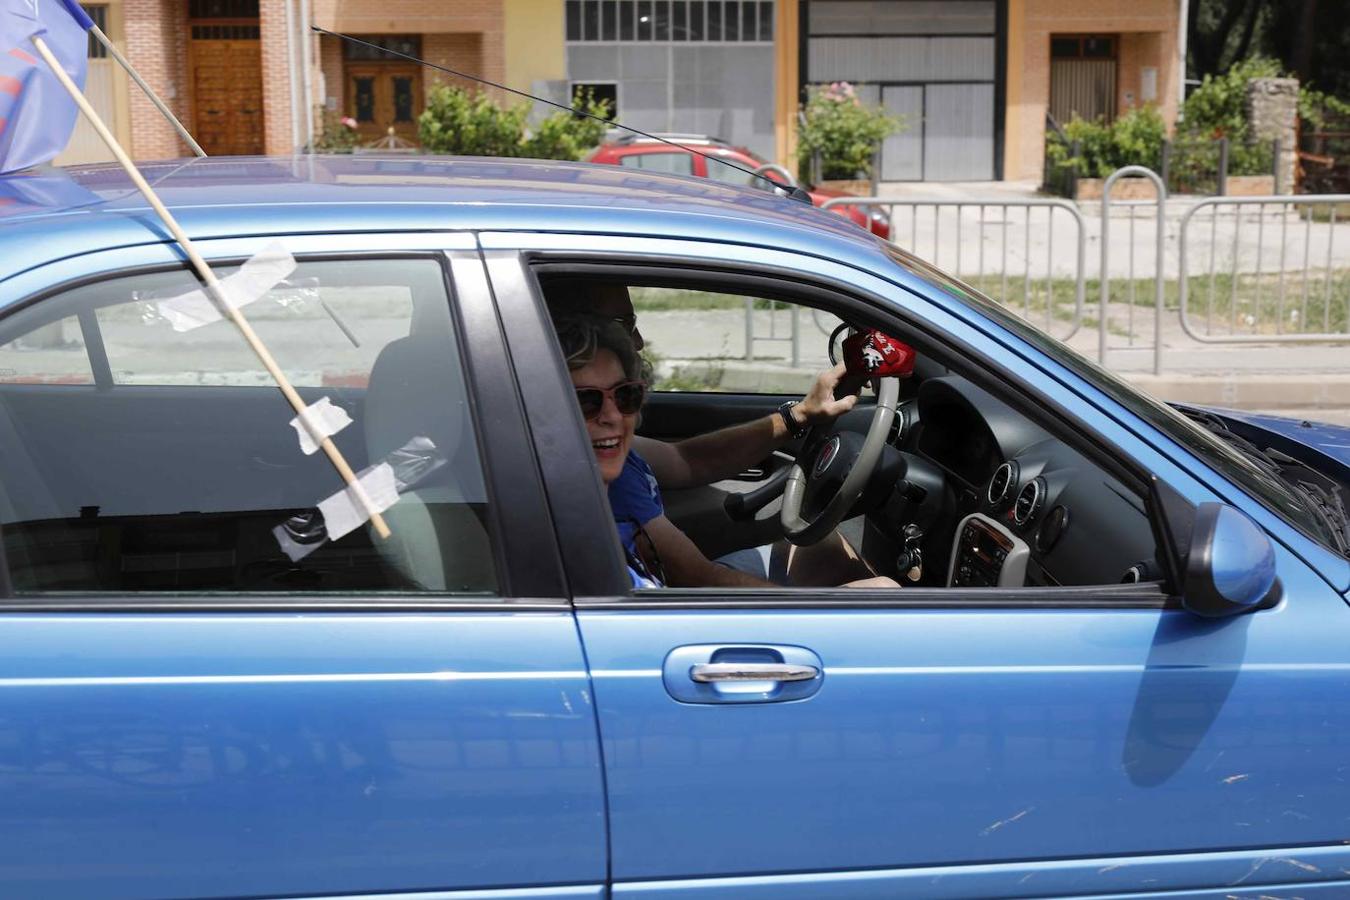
{"x":593,"y":590}
{"x":529,"y":569}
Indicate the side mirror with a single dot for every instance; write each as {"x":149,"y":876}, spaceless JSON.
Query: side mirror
{"x":1230,"y":568}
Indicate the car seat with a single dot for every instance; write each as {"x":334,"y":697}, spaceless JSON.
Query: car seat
{"x":440,"y":539}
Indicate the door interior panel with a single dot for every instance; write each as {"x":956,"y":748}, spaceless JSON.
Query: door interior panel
{"x":701,"y":512}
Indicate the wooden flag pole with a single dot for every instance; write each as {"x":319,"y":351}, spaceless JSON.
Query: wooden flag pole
{"x":208,"y":277}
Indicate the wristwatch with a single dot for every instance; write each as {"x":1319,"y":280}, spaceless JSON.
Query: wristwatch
{"x":795,"y":428}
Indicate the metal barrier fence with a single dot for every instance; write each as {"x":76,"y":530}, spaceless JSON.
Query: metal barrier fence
{"x":970,"y":239}
{"x":1171,"y":272}
{"x":1105,"y":275}
{"x":1295,"y":292}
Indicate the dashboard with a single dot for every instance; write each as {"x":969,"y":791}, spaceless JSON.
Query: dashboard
{"x":1020,"y":507}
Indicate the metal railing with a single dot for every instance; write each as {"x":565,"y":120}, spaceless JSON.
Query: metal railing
{"x":1105,"y":275}
{"x":1297,"y":292}
{"x":978,"y":241}
{"x":1172,"y":272}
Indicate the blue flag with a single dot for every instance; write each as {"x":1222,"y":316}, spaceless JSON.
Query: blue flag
{"x":36,"y":114}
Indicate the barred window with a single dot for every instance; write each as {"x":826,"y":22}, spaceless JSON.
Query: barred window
{"x":670,"y":21}
{"x":99,"y":13}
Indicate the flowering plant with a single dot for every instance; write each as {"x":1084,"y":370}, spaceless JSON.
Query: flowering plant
{"x":844,"y":130}
{"x":339,"y":135}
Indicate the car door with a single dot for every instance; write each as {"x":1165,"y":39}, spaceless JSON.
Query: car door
{"x":1025,"y":742}
{"x":207,"y":692}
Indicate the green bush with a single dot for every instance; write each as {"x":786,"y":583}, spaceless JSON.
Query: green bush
{"x":835,"y":122}
{"x":461,"y":122}
{"x":1134,"y":139}
{"x":564,"y":135}
{"x":1216,"y":109}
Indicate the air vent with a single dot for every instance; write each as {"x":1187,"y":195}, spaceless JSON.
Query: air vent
{"x":1001,"y":485}
{"x":1028,"y":502}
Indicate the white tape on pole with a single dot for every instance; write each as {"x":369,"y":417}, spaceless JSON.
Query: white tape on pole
{"x":345,"y":511}
{"x":263,"y":271}
{"x":321,"y":419}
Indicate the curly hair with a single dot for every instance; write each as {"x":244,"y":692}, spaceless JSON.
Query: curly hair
{"x":583,"y":335}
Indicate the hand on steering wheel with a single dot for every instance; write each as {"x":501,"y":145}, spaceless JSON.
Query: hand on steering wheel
{"x":820,"y":405}
{"x":832,"y":457}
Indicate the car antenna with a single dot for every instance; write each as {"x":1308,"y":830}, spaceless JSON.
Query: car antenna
{"x":793,"y":191}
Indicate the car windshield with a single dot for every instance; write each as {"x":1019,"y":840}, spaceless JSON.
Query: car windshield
{"x":1256,"y":480}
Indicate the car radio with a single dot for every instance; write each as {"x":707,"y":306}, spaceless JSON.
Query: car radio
{"x":986,"y":554}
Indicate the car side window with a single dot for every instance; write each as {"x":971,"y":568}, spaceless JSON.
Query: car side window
{"x":673,"y":163}
{"x":177,"y":467}
{"x":963,"y":489}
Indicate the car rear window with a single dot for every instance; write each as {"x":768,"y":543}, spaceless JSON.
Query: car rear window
{"x":135,"y":457}
{"x":673,"y":163}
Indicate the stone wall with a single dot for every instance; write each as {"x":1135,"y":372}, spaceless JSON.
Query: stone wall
{"x":1272,"y":111}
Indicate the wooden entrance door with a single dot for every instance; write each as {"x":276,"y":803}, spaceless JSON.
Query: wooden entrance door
{"x":381,"y":96}
{"x":227,"y":89}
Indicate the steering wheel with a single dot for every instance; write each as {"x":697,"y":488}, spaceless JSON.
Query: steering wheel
{"x":835,"y":457}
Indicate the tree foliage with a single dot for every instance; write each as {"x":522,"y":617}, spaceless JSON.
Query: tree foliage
{"x":1310,"y":38}
{"x":1218,"y":109}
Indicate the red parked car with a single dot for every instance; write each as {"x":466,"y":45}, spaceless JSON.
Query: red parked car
{"x":644,"y":153}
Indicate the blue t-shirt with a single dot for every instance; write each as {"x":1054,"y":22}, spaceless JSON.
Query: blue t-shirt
{"x":635,"y":499}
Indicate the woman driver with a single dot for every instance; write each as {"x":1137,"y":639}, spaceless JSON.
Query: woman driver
{"x":611,"y":383}
{"x":610,"y":380}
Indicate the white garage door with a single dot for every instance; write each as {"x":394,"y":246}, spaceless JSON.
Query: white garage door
{"x":933,"y":61}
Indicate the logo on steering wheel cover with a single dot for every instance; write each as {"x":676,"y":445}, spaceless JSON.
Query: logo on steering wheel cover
{"x":826,"y":456}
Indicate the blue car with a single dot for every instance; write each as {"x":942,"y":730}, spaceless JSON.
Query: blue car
{"x":1115,"y":669}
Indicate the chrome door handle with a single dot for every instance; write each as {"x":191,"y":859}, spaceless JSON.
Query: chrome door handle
{"x":706,"y":673}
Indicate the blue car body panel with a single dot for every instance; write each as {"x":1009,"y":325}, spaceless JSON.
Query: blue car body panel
{"x":237,"y":755}
{"x":943,"y":753}
{"x":1330,"y":440}
{"x":968,"y":737}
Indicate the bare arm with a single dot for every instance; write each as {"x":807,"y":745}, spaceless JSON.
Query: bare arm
{"x":720,"y":454}
{"x":685,"y":564}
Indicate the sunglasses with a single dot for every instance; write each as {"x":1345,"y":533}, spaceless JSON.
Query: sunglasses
{"x":629,"y":322}
{"x":627,"y":398}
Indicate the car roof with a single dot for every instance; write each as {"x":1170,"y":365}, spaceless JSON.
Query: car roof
{"x":57,"y":213}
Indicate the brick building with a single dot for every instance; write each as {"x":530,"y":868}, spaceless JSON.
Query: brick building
{"x":238,"y":72}
{"x":974,"y":79}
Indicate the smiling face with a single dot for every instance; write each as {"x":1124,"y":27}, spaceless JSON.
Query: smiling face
{"x":611,"y":432}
